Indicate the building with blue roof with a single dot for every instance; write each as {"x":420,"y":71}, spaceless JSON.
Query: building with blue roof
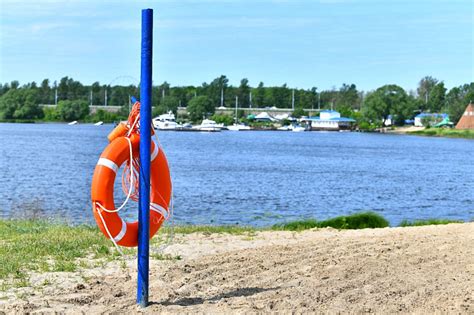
{"x":329,"y":120}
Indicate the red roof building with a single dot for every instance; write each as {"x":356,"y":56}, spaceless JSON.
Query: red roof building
{"x":467,"y":119}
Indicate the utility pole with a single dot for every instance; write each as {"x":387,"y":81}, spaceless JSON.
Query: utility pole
{"x":105,"y":97}
{"x":91,"y":97}
{"x":222,"y":97}
{"x":56,"y":96}
{"x":293,"y":99}
{"x":319,"y":101}
{"x":163,"y":94}
{"x":250,"y":99}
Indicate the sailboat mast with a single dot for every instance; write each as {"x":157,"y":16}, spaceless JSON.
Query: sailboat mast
{"x":236,"y":104}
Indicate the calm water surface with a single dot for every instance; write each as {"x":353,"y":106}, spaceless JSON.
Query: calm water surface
{"x":249,"y":178}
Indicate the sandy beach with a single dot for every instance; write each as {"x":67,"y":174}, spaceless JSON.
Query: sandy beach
{"x":414,"y":269}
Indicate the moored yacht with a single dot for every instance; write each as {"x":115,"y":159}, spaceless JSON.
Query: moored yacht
{"x":165,"y":122}
{"x":238,"y":127}
{"x":209,"y":125}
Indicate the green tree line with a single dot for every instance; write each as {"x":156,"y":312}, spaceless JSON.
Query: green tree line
{"x":368,"y":107}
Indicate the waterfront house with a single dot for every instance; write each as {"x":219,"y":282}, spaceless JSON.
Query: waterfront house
{"x":329,"y":120}
{"x":264,"y":117}
{"x":467,"y":118}
{"x":432,"y":117}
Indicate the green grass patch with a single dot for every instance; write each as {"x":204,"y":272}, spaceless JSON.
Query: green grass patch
{"x":443,"y":132}
{"x":298,"y":225}
{"x":362,"y":220}
{"x":45,"y":246}
{"x":406,"y":223}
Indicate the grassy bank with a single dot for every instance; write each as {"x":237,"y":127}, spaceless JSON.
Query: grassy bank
{"x":43,"y":246}
{"x":441,"y":132}
{"x":406,"y":223}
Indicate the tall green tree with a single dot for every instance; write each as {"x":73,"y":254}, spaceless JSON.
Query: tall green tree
{"x":20,"y":104}
{"x":437,"y":98}
{"x":45,"y":95}
{"x":243,"y":93}
{"x":425,"y":86}
{"x":348,"y":96}
{"x":457,"y":99}
{"x":213,"y":91}
{"x":387,"y":100}
{"x":259,"y":96}
{"x":199,"y":107}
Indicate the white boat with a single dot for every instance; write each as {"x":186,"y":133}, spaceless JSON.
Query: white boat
{"x":209,"y":125}
{"x":294,"y":128}
{"x":99,"y":123}
{"x":165,"y":122}
{"x":73,"y":123}
{"x":238,"y":127}
{"x":298,"y":129}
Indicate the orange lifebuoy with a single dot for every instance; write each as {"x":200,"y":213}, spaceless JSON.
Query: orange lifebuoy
{"x":102,"y":192}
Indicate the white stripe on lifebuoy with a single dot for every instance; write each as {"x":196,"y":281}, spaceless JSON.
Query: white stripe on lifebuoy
{"x":159,"y":209}
{"x":108,"y":163}
{"x":156,"y":149}
{"x":122,"y":232}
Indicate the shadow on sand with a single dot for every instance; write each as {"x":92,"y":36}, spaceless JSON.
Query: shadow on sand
{"x":197,"y":300}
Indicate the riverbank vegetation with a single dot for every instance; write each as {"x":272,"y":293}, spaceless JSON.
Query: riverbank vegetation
{"x":406,"y":223}
{"x":369,"y":108}
{"x":348,"y":222}
{"x":443,"y":132}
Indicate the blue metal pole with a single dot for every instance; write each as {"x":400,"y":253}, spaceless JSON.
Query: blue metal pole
{"x":145,"y":138}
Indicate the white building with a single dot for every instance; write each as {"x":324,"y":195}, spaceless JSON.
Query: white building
{"x":329,"y":120}
{"x":263,"y":116}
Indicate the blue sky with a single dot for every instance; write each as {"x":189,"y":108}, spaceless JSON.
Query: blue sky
{"x":302,"y":43}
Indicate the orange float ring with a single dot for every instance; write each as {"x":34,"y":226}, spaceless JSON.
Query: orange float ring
{"x":102,"y":192}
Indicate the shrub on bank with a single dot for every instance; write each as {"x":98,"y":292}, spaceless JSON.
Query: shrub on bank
{"x":362,"y":220}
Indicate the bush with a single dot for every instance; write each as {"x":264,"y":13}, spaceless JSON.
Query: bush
{"x":366,"y":126}
{"x":356,"y":221}
{"x":225,"y":119}
{"x":362,"y":220}
{"x":50,"y":114}
{"x":106,"y":117}
{"x":72,"y":110}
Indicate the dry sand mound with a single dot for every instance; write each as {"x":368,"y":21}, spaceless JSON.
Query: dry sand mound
{"x":423,"y":270}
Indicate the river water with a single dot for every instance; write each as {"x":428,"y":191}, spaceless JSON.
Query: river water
{"x":248,"y":178}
